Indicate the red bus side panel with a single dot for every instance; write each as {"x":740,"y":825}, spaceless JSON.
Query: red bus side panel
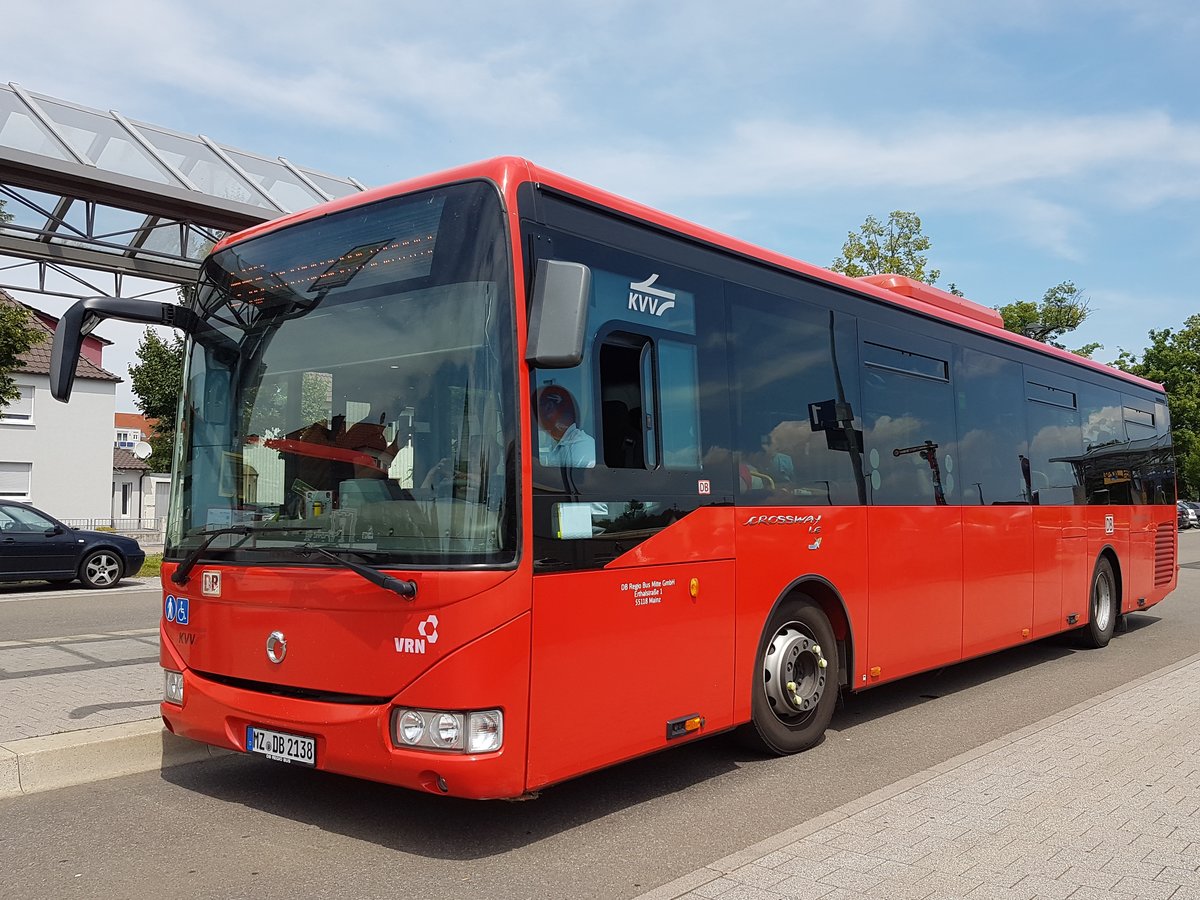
{"x":998,"y":594}
{"x":915,"y":566}
{"x":619,"y":653}
{"x":1077,"y":563}
{"x":1047,"y":573}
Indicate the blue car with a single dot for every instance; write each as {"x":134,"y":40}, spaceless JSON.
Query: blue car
{"x":38,"y":547}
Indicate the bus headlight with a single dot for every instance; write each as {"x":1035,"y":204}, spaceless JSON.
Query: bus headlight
{"x":173,"y":687}
{"x":447,"y":729}
{"x":412,"y":727}
{"x":475,"y":731}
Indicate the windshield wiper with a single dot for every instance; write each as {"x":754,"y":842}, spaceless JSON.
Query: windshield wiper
{"x":181,"y":574}
{"x":406,"y":589}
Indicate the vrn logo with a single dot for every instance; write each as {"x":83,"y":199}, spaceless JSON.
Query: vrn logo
{"x":645,"y":298}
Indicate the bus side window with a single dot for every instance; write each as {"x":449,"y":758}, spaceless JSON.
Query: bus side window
{"x":796,"y":401}
{"x":679,"y":405}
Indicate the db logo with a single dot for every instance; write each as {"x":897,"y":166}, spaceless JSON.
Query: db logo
{"x":428,"y":629}
{"x":210,"y":584}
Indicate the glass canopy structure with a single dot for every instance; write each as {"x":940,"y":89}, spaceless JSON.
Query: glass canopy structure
{"x":82,"y":189}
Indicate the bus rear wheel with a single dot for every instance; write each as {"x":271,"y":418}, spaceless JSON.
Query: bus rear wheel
{"x":796,"y":680}
{"x":1103,"y":607}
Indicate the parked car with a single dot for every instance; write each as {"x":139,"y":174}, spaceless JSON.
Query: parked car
{"x":1195,"y":508}
{"x":1187,"y":515}
{"x":36,"y":547}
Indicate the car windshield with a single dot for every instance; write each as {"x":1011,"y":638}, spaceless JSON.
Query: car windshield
{"x":351,"y":385}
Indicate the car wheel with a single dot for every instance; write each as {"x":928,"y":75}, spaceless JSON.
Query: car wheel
{"x":796,"y":680}
{"x":101,"y":569}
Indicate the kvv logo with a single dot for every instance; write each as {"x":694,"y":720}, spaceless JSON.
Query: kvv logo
{"x":645,"y":298}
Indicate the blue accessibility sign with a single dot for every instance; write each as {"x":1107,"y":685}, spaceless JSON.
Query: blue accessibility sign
{"x":175,"y":609}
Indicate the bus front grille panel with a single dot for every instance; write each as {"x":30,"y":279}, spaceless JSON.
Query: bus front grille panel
{"x":295,"y":693}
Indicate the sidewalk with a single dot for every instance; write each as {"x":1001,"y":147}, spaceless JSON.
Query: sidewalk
{"x":1100,"y":801}
{"x":80,"y":708}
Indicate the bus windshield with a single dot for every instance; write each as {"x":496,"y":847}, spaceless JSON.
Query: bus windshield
{"x":350,"y":385}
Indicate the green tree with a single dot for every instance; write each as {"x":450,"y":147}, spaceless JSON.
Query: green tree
{"x":157,"y":382}
{"x":894,"y":247}
{"x":1173,"y":360}
{"x":1063,"y":308}
{"x":18,"y":335}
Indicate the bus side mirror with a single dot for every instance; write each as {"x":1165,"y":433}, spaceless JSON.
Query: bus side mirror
{"x":79,"y":321}
{"x":558,"y":314}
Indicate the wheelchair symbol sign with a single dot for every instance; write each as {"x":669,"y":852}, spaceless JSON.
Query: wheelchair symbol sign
{"x":175,"y":609}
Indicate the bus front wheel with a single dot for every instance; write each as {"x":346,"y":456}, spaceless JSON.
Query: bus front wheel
{"x":796,"y":680}
{"x":1103,"y":607}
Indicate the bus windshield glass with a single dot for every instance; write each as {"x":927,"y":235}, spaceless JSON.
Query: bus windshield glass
{"x":350,"y":385}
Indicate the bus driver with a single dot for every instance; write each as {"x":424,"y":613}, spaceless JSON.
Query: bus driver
{"x":570,"y":446}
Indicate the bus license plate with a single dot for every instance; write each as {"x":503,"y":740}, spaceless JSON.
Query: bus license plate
{"x":288,"y":748}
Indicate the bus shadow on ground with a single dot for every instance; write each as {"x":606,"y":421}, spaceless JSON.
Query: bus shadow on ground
{"x":448,"y":828}
{"x":924,"y":687}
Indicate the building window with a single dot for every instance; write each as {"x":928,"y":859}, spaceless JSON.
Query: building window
{"x":127,"y":439}
{"x":14,"y":480}
{"x":19,"y":411}
{"x":126,"y":495}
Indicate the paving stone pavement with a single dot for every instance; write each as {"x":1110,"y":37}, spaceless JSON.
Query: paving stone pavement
{"x":52,"y":685}
{"x":1101,"y":802}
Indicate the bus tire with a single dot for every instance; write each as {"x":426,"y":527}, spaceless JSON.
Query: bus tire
{"x":795,"y":685}
{"x":1103,"y":607}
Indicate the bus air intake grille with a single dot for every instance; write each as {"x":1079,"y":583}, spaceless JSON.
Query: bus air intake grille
{"x":1164,"y":554}
{"x":295,"y":693}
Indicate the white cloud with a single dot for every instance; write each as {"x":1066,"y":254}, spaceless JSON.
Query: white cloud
{"x":338,"y":71}
{"x":1048,"y":178}
{"x":971,"y":154}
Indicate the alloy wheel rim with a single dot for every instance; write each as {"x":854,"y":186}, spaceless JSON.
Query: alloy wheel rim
{"x":102,"y":569}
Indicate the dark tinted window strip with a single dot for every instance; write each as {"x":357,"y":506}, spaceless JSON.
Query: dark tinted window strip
{"x":1041,"y":393}
{"x":1139,"y":417}
{"x":905,"y":362}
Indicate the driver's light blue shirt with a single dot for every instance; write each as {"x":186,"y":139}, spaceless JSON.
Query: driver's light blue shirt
{"x":575,"y":450}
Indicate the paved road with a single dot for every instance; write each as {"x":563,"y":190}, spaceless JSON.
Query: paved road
{"x":76,"y":659}
{"x":35,"y":611}
{"x":244,"y":826}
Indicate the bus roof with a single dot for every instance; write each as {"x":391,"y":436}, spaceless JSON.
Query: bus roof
{"x":897,"y":290}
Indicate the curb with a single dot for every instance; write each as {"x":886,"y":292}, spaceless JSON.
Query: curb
{"x":714,"y":870}
{"x":37,"y":764}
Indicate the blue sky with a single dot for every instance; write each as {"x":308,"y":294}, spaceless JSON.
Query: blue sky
{"x":1038,"y":141}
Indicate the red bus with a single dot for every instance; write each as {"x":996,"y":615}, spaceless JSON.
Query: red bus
{"x":489,"y":479}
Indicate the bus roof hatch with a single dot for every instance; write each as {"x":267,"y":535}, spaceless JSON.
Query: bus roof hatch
{"x":944,"y":300}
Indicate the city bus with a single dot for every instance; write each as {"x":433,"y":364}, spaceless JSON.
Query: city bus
{"x":490,"y":479}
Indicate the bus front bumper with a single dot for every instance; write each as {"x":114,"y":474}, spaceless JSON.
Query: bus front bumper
{"x":356,"y":739}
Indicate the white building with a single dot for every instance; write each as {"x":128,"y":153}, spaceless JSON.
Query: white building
{"x":59,"y":456}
